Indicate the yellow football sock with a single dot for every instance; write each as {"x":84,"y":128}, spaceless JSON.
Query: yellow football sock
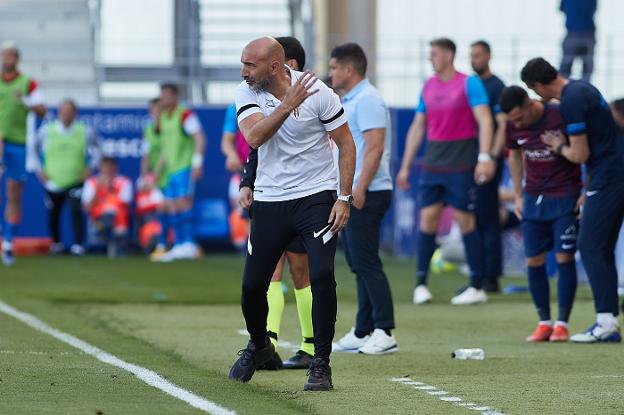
{"x":275,"y":298}
{"x":304,"y":310}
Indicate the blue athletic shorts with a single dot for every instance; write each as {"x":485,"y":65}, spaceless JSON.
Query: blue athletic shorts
{"x":15,"y":161}
{"x":179,"y":185}
{"x":549,"y":223}
{"x":456,"y":189}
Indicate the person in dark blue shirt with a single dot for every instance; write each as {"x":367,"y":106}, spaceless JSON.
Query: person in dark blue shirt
{"x":617,"y":109}
{"x":580,"y":39}
{"x":487,"y":205}
{"x":593,"y":140}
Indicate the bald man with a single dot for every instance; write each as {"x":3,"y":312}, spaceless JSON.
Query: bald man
{"x":289,"y":117}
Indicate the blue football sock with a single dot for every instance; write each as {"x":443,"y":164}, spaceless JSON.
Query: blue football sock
{"x":186,"y":225}
{"x":540,"y":290}
{"x":566,"y":289}
{"x":426,"y":248}
{"x":472,"y":247}
{"x":9,"y":231}
{"x":178,"y":229}
{"x":164,"y":219}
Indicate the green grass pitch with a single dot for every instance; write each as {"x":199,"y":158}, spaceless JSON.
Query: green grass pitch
{"x":182,"y":321}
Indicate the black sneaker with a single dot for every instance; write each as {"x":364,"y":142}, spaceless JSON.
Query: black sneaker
{"x":275,"y":363}
{"x":250,"y":358}
{"x":319,"y":376}
{"x":301,"y":360}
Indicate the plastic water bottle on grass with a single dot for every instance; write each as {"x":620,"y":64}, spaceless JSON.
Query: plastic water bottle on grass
{"x":468,"y":354}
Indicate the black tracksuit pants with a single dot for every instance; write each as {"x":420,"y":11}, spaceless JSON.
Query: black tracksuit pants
{"x":274,"y":226}
{"x":54,"y":202}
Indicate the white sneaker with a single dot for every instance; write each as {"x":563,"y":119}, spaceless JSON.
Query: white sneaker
{"x":470,"y":296}
{"x":187,"y":250}
{"x":598,"y":334}
{"x":169,"y":256}
{"x":422,"y":294}
{"x":350,"y":342}
{"x":379,"y":343}
{"x":77,"y":250}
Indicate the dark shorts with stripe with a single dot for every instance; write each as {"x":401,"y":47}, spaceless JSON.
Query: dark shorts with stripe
{"x":549,"y":223}
{"x":456,"y":189}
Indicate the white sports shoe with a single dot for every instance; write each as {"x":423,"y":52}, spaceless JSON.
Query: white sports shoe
{"x":422,"y":294}
{"x":187,"y":250}
{"x":470,"y":296}
{"x":379,"y":343}
{"x":598,"y":334}
{"x":77,"y":250}
{"x":350,"y":342}
{"x":172,"y":254}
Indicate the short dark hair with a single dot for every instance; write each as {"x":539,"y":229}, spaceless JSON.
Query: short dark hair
{"x":618,"y":105}
{"x":483,"y":44}
{"x":444,"y":43}
{"x":511,"y":97}
{"x":108,"y":159}
{"x":293,"y":50}
{"x":70,"y":102}
{"x":353,"y":54}
{"x":538,"y":70}
{"x":171,"y":87}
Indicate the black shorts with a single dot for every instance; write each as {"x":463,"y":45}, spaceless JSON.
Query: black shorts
{"x":296,"y":246}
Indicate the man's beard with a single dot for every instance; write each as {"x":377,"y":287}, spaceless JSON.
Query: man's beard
{"x":260,"y":85}
{"x":479,"y":71}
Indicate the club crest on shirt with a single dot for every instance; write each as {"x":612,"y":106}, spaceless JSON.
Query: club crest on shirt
{"x":269,"y":103}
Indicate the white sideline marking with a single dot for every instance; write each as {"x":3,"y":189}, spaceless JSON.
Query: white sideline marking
{"x":148,"y":376}
{"x":425,"y":388}
{"x":450,"y":399}
{"x":33,"y":352}
{"x":441,"y":395}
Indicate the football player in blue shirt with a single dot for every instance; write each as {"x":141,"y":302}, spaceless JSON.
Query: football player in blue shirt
{"x":593,"y":141}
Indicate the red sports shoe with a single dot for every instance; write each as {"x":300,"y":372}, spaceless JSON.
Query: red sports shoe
{"x":541,"y":334}
{"x":559,"y":334}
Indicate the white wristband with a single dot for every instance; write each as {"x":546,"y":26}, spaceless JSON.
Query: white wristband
{"x":484,"y":157}
{"x":197,"y":160}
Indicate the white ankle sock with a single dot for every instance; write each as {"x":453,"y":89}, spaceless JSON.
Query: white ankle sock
{"x":546,"y":323}
{"x":561,"y":323}
{"x":606,"y":320}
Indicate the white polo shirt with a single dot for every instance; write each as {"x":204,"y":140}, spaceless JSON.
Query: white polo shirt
{"x":297,"y":161}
